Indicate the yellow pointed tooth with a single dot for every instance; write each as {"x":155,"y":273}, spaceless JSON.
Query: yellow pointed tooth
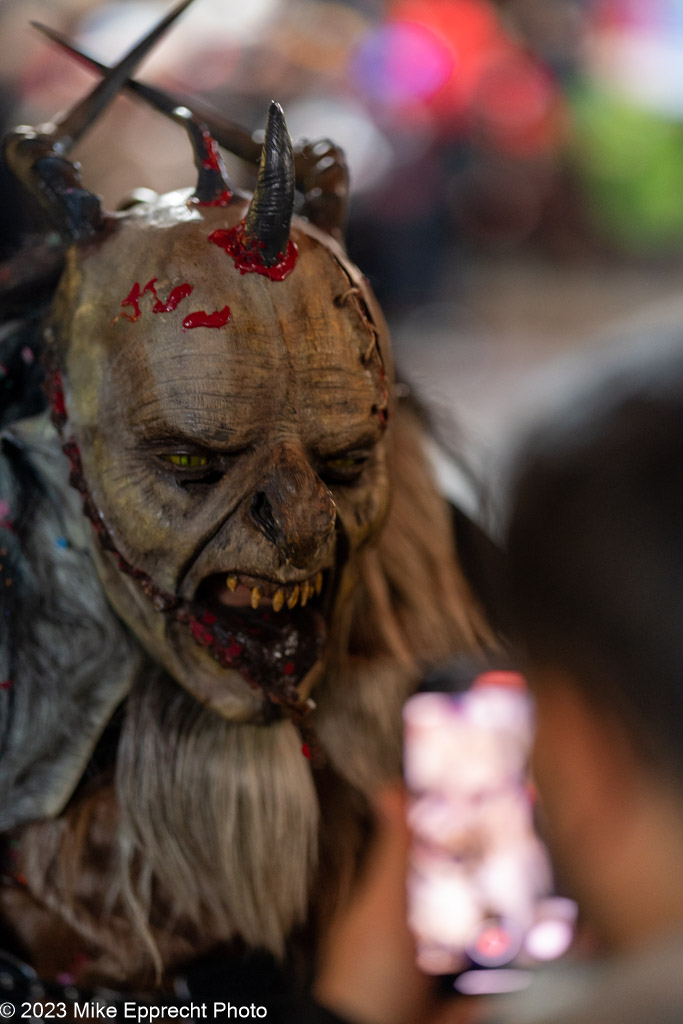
{"x":255,"y":597}
{"x":318,"y":582}
{"x":232,"y":582}
{"x":293,"y":597}
{"x":278,"y":600}
{"x":305,"y":593}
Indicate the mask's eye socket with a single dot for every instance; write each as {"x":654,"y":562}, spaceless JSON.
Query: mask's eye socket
{"x":185,"y":461}
{"x":343,"y":468}
{"x":188,"y":468}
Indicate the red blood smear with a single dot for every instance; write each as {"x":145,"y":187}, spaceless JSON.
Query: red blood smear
{"x":288,"y":668}
{"x":177,"y":295}
{"x":306,"y":750}
{"x":234,"y":650}
{"x":247,"y":256}
{"x":132,"y":299}
{"x":203,"y":319}
{"x":6,"y":684}
{"x":210,"y":163}
{"x":208,"y":618}
{"x":222,"y":200}
{"x":201,"y":634}
{"x":57,"y":394}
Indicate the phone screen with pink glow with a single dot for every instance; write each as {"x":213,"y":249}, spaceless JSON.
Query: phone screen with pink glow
{"x":480,"y":885}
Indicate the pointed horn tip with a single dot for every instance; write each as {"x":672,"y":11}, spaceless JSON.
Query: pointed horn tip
{"x":79,"y":118}
{"x":276,"y":116}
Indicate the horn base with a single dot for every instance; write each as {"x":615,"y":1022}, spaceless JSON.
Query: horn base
{"x":246,"y":252}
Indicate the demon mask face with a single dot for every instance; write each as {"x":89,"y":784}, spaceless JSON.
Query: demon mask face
{"x":220,"y":388}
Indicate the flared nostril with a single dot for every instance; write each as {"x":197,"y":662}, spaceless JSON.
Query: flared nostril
{"x":262,"y":515}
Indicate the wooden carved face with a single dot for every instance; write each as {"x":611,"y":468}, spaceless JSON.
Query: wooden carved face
{"x":231,"y":433}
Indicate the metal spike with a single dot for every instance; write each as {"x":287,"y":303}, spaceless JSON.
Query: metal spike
{"x":325,"y":190}
{"x":38,"y":157}
{"x":228,"y":134}
{"x":70,"y":127}
{"x":270,"y":211}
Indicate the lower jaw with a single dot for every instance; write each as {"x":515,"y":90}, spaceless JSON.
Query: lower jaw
{"x":273,"y":653}
{"x":223,"y":691}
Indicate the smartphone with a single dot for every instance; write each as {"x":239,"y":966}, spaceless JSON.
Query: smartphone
{"x":480,"y":883}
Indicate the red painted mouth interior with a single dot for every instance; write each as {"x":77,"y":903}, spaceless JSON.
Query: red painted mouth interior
{"x":272,"y":649}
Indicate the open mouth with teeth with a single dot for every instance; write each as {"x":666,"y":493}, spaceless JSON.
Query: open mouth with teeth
{"x":270,"y":632}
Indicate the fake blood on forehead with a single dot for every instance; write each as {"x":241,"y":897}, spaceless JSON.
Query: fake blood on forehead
{"x":133,"y":299}
{"x":247,"y":255}
{"x":200,"y":318}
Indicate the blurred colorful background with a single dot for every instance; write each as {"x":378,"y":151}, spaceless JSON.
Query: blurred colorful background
{"x":517,"y":166}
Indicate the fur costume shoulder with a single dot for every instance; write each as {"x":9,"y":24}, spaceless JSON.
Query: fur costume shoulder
{"x":67,"y":662}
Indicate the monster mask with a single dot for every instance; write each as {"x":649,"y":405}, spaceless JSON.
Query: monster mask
{"x":219,"y":380}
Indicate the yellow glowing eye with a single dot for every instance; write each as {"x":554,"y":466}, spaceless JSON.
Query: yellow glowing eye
{"x":342,"y":465}
{"x":187,"y":461}
{"x":346,"y":467}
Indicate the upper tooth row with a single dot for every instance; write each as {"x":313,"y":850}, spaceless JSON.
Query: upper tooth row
{"x":283,"y":595}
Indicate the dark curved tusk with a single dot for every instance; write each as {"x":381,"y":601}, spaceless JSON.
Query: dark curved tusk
{"x":270,"y":211}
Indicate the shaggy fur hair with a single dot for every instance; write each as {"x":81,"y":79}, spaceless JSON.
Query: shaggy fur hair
{"x":57,"y":632}
{"x":210,"y":832}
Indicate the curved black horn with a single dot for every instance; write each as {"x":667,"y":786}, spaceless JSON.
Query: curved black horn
{"x":270,"y":211}
{"x":213,"y":185}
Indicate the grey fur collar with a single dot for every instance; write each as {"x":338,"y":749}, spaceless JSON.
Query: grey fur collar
{"x":66,"y":660}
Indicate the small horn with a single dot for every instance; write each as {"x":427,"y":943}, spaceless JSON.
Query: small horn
{"x":213,"y":185}
{"x":270,"y":211}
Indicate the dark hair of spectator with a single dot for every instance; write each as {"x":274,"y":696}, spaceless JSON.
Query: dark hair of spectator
{"x":595,"y":546}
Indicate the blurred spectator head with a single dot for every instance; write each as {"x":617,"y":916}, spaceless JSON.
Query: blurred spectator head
{"x":595,"y":549}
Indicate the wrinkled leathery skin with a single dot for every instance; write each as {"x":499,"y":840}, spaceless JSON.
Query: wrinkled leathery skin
{"x":291,"y":380}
